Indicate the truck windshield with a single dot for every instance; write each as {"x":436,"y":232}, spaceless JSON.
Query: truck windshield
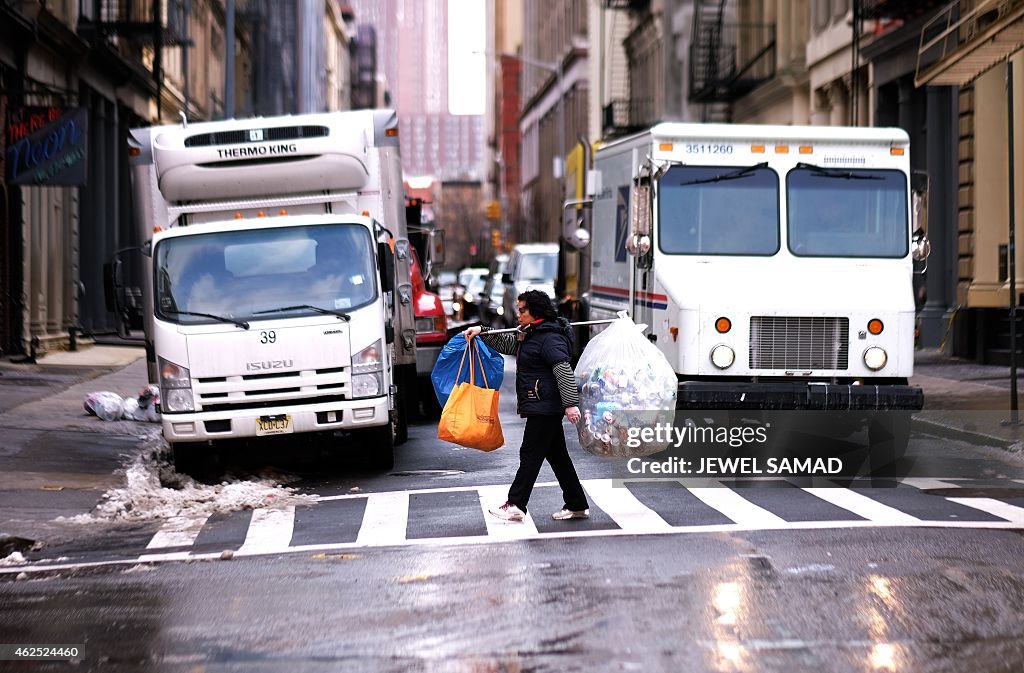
{"x":847,"y":212}
{"x":240,"y":275}
{"x":719,"y":210}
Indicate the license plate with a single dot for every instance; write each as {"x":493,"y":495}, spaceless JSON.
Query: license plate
{"x":280,"y":424}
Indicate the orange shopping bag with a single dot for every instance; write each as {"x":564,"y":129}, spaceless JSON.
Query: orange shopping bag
{"x":470,"y":417}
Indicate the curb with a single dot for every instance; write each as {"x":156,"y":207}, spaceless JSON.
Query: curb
{"x":970,"y":436}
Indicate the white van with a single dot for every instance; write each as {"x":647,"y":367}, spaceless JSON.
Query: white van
{"x":531,"y":266}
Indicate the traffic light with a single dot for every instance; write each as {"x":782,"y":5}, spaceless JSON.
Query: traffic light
{"x":493,"y":210}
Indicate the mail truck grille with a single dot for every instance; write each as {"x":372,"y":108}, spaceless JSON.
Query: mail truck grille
{"x":799,"y":343}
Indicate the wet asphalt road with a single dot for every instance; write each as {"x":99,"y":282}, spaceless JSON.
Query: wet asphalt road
{"x":865,"y":600}
{"x":732,"y":598}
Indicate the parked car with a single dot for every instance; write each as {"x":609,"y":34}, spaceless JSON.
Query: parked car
{"x":491,"y":309}
{"x":467,"y":293}
{"x":531,"y":266}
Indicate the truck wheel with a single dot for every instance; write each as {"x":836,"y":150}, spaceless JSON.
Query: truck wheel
{"x":402,"y":417}
{"x":381,"y":449}
{"x":431,"y":407}
{"x":888,"y":436}
{"x":196,"y":459}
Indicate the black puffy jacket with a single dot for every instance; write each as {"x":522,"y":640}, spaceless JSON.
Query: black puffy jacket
{"x":544,"y":345}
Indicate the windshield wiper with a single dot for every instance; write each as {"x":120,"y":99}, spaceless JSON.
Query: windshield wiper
{"x":833,"y":173}
{"x":732,"y":175}
{"x":341,"y":316}
{"x":218,"y":318}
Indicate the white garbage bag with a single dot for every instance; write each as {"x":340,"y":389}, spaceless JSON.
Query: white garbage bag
{"x":105,"y":404}
{"x":626,"y":385}
{"x":143,"y":407}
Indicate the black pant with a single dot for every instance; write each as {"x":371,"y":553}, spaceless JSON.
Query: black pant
{"x":542,"y":439}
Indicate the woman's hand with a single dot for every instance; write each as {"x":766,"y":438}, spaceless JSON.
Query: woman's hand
{"x":472,"y":332}
{"x":573,"y":414}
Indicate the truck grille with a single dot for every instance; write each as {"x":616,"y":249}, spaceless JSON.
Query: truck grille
{"x":799,"y":343}
{"x":265,"y":390}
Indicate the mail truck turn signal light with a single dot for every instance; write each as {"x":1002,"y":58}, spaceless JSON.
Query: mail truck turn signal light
{"x":238,"y":216}
{"x":723,"y":325}
{"x":806,"y":149}
{"x":782,"y":149}
{"x":875,"y":326}
{"x":665,"y":147}
{"x":282,"y":212}
{"x":261,"y":214}
{"x":896,"y":151}
{"x":757,"y":149}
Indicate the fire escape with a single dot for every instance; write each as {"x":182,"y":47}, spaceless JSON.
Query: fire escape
{"x":962,"y":42}
{"x":727,"y":59}
{"x":619,"y":114}
{"x":134,"y":33}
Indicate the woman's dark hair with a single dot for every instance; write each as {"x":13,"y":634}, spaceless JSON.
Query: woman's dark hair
{"x":539,"y":304}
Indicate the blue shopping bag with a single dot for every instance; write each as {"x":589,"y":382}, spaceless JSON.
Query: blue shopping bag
{"x":446,"y":369}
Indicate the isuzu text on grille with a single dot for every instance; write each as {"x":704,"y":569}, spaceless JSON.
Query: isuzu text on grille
{"x":268,"y":364}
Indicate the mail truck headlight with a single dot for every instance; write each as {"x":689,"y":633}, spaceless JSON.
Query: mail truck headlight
{"x":722,"y":356}
{"x":875,"y":358}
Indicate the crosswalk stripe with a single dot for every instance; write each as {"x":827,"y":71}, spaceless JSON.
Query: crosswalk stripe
{"x":270,"y":530}
{"x":503,"y":530}
{"x":736,"y":507}
{"x":178,"y":531}
{"x":924,"y":484}
{"x":998,"y":508}
{"x":862,"y":506}
{"x":623,"y":507}
{"x":385,"y":519}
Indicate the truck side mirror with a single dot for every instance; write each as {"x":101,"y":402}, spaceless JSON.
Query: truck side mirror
{"x":437,"y":243}
{"x":920,"y":249}
{"x":387,"y":267}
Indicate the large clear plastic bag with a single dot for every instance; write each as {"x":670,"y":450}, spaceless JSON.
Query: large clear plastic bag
{"x":626,"y":385}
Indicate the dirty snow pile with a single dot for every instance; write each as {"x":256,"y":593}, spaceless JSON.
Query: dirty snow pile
{"x":145,"y":495}
{"x":15,"y":559}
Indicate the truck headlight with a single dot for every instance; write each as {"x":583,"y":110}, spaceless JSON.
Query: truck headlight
{"x":176,"y":400}
{"x":175,"y":387}
{"x":366,"y":385}
{"x":875,"y":358}
{"x":722,"y":356}
{"x":368,"y":371}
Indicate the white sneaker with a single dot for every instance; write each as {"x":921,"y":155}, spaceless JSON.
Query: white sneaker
{"x":564,"y":513}
{"x":508,"y":512}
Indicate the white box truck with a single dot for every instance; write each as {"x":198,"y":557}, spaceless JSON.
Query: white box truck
{"x":278,"y":297}
{"x":773,"y":265}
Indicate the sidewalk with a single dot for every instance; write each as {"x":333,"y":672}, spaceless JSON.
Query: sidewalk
{"x":966,"y":400}
{"x":55,"y":459}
